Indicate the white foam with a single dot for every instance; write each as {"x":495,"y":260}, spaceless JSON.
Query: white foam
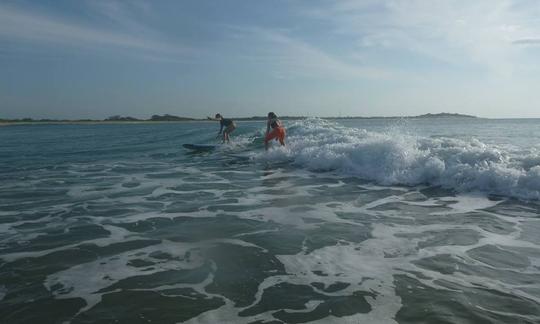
{"x":398,"y":158}
{"x":116,"y":234}
{"x":85,"y":280}
{"x":363,"y":266}
{"x":467,"y":203}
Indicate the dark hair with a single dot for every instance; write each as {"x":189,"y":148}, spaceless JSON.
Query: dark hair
{"x":272,"y":115}
{"x":218,"y":116}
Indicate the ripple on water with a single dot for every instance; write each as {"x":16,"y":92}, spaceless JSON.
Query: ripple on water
{"x":210,"y":239}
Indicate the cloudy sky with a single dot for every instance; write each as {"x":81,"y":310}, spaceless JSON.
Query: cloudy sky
{"x":93,"y":59}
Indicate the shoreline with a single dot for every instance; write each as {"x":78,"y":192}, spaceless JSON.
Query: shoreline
{"x":113,"y":122}
{"x":96,"y":122}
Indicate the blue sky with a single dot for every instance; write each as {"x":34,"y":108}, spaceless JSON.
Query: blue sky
{"x":94,"y":59}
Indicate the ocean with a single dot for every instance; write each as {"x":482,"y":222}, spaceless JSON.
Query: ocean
{"x":354,"y":221}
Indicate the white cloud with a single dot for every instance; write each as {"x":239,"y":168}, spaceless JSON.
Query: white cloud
{"x":479,"y":32}
{"x":124,"y":14}
{"x":291,"y":58}
{"x":17,"y":25}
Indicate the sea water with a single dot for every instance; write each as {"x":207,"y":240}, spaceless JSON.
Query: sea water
{"x":354,"y":221}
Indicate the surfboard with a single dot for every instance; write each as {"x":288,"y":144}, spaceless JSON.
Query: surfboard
{"x":201,"y":147}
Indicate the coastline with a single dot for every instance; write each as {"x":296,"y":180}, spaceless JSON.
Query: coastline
{"x":96,"y":122}
{"x":237,"y":119}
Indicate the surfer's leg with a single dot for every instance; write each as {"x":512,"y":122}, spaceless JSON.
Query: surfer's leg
{"x":270,"y":136}
{"x":233,"y":127}
{"x":228,"y":131}
{"x":282,"y":136}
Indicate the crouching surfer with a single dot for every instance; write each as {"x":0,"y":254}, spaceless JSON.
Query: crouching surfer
{"x":226,"y":123}
{"x":278,"y":131}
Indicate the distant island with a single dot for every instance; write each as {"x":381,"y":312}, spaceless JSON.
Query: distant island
{"x":445,"y":115}
{"x":172,"y":118}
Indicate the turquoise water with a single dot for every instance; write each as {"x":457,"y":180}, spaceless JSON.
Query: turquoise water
{"x":355,"y":221}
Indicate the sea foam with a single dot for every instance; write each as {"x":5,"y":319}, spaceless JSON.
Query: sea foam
{"x":396,"y":157}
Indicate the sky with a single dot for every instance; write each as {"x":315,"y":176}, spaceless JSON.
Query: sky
{"x":97,"y":58}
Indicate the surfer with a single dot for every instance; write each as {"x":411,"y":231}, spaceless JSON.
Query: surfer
{"x":229,"y":125}
{"x":277,"y":132}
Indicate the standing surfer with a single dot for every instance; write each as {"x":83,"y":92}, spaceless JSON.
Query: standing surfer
{"x":277,"y":132}
{"x":229,"y":125}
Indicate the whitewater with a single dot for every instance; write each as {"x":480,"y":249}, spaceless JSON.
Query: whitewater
{"x":396,"y":156}
{"x":353,"y":221}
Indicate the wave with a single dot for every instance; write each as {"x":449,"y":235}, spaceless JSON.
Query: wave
{"x":398,"y":158}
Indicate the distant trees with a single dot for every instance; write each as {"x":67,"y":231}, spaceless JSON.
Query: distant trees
{"x":168,"y":117}
{"x":165,"y":117}
{"x":172,"y":118}
{"x":120,"y":118}
{"x":445,"y":115}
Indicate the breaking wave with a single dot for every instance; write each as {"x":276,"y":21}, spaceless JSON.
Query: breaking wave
{"x":396,"y":157}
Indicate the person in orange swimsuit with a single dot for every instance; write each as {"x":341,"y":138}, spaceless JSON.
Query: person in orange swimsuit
{"x":277,"y":132}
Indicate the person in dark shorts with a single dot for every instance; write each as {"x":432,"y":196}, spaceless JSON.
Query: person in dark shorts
{"x":277,"y":132}
{"x":226,"y":123}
